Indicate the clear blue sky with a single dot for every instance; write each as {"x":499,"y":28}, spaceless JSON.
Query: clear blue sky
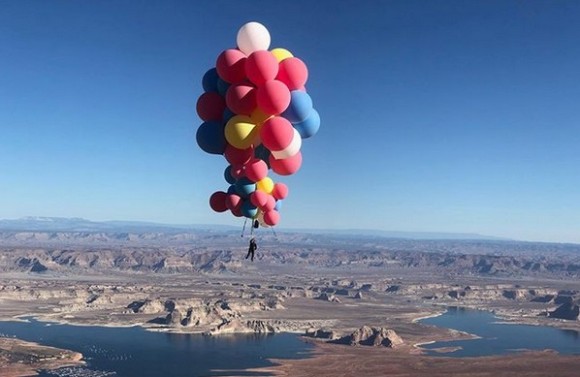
{"x":458,"y":116}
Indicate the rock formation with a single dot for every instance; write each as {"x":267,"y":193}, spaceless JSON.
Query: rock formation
{"x":328,"y":297}
{"x":322,"y":334}
{"x":372,"y":336}
{"x":569,"y":310}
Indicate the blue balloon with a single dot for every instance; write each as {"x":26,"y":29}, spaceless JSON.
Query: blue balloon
{"x":232,"y":190}
{"x":210,"y":81}
{"x":228,"y":114}
{"x":210,"y":137}
{"x":228,"y":175}
{"x":309,"y":127}
{"x":244,"y":187}
{"x":249,"y":210}
{"x":222,"y":87}
{"x":263,"y":153}
{"x":300,"y":107}
{"x":278,"y":205}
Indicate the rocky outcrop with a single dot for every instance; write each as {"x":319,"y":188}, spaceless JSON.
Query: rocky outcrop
{"x":147,"y":306}
{"x":322,"y":334}
{"x":328,"y":297}
{"x":174,"y":318}
{"x":372,"y":336}
{"x":238,"y":325}
{"x":569,"y":311}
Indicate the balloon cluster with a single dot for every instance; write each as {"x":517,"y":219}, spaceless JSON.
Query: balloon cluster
{"x":255,"y":112}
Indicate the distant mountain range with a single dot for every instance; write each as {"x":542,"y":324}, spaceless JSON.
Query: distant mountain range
{"x":75,"y":224}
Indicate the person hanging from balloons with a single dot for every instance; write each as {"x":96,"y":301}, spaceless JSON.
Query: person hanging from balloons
{"x":252,"y":248}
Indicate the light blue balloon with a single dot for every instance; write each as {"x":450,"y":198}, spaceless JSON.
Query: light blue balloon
{"x":244,"y":187}
{"x":210,"y":137}
{"x":278,"y":205}
{"x":249,"y":210}
{"x":309,"y":127}
{"x":210,"y":80}
{"x":300,"y":107}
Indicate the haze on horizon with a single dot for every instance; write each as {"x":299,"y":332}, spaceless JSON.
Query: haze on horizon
{"x":451,"y":116}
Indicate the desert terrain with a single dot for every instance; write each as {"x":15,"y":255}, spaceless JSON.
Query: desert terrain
{"x":357,"y":297}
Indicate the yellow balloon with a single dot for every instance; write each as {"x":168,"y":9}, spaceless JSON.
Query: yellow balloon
{"x":281,"y":54}
{"x":266,"y":185}
{"x":241,"y":132}
{"x":258,"y":117}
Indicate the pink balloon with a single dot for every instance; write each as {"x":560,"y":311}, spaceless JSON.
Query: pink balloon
{"x":241,"y":99}
{"x":233,"y":201}
{"x":261,"y":66}
{"x":210,"y":106}
{"x":273,"y":97}
{"x":280,"y":191}
{"x":231,"y":65}
{"x":237,"y":156}
{"x":293,"y":73}
{"x":217,"y":201}
{"x":276,"y":133}
{"x":256,"y":170}
{"x":259,"y":198}
{"x":287,"y":166}
{"x":270,"y":204}
{"x":271,"y":217}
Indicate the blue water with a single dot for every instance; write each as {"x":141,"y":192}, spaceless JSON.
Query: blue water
{"x":499,"y":339}
{"x":132,"y":352}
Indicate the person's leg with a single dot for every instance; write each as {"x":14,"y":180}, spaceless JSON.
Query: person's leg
{"x":249,"y":252}
{"x":253,"y":255}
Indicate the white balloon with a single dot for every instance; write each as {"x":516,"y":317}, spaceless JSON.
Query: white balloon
{"x":291,"y":149}
{"x":253,"y":36}
{"x":260,"y":219}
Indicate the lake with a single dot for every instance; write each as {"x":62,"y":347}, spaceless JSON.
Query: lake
{"x":130,"y":352}
{"x":497,"y":338}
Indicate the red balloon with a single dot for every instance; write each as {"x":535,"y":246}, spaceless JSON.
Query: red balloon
{"x":233,"y":201}
{"x":241,"y":99}
{"x":237,"y":211}
{"x":256,"y":170}
{"x":261,"y":66}
{"x":230,"y":66}
{"x":280,"y":191}
{"x":273,"y":97}
{"x":210,"y":106}
{"x":293,"y":73}
{"x":259,"y":198}
{"x":276,"y":133}
{"x":237,"y":156}
{"x":286,"y":166}
{"x":270,"y":204}
{"x":217,"y":201}
{"x":271,"y":217}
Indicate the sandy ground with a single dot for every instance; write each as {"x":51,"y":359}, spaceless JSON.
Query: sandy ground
{"x":19,"y":358}
{"x":71,"y":299}
{"x":332,"y":361}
